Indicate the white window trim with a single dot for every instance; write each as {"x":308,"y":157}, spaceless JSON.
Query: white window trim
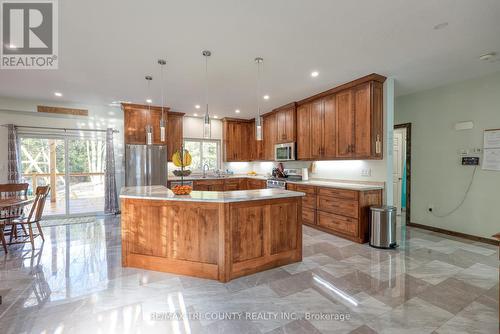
{"x":219,"y":152}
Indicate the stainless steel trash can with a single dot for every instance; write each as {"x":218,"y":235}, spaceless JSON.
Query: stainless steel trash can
{"x":383,"y":227}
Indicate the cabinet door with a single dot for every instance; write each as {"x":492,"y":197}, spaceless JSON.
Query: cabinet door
{"x":281,"y":126}
{"x":345,"y":124}
{"x":285,"y":120}
{"x":329,"y":128}
{"x":229,"y":142}
{"x":317,"y":123}
{"x":269,"y":134}
{"x":377,"y":120}
{"x":304,"y":132}
{"x":289,"y":124}
{"x":362,"y":121}
{"x":242,"y":139}
{"x":174,"y":134}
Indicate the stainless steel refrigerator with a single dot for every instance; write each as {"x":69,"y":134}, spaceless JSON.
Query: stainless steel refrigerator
{"x":146,"y":165}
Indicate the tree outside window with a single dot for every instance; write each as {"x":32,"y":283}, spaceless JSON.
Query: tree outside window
{"x":203,"y":151}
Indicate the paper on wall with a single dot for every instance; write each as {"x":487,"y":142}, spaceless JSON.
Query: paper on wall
{"x":491,"y":159}
{"x":491,"y":139}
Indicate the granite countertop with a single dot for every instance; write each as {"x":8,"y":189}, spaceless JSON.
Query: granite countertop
{"x":163,"y":193}
{"x":214,"y":177}
{"x":339,"y":185}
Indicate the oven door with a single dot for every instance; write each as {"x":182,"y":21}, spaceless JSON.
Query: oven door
{"x":284,"y":152}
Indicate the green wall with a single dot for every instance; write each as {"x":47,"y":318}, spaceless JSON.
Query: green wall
{"x":438,"y":178}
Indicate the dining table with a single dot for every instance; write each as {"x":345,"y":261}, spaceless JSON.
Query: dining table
{"x":10,"y":203}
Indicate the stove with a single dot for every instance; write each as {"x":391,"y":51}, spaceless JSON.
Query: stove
{"x":276,"y":183}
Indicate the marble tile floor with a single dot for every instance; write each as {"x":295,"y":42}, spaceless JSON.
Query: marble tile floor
{"x":74,"y":283}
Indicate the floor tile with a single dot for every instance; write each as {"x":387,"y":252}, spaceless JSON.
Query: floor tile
{"x":475,"y":318}
{"x":435,"y":271}
{"x":479,"y":275}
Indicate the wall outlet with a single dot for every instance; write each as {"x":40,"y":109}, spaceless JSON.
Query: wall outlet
{"x":366,"y":172}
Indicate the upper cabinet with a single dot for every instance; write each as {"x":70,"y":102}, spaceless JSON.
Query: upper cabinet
{"x":269,"y":135}
{"x":236,"y":135}
{"x":285,"y":123}
{"x":137,"y":117}
{"x":343,"y":123}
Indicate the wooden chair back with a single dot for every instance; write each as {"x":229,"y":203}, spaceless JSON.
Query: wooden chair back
{"x":13,"y":190}
{"x":36,"y":211}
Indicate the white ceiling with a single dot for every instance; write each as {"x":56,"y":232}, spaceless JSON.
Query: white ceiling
{"x":106,"y":48}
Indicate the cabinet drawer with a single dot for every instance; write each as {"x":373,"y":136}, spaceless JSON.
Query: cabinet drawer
{"x":302,"y":188}
{"x":338,"y":223}
{"x":309,"y":201}
{"x":308,"y":216}
{"x":340,"y":193}
{"x":339,"y":206}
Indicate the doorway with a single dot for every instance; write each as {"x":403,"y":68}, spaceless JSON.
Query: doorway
{"x":72,"y":165}
{"x":402,"y":171}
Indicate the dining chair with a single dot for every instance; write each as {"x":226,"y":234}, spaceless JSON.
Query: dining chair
{"x":6,"y":216}
{"x":34,"y":217}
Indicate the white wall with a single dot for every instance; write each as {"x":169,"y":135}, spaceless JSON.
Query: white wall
{"x":193,"y":127}
{"x":23,"y":112}
{"x":438,"y":179}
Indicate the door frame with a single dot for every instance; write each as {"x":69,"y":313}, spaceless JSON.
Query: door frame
{"x":407,"y":126}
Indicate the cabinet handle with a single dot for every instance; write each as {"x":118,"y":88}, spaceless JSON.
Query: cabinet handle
{"x":378,"y":145}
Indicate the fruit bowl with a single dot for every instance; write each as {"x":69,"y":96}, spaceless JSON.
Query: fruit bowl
{"x":179,"y":172}
{"x":182,"y":190}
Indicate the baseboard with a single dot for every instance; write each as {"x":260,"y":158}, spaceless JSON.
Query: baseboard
{"x":456,"y":234}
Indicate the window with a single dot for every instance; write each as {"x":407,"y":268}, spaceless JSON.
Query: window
{"x":203,"y":151}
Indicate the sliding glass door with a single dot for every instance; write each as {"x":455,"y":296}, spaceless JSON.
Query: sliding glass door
{"x":73,"y":167}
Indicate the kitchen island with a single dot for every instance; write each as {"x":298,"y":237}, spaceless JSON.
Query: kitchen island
{"x":218,"y":235}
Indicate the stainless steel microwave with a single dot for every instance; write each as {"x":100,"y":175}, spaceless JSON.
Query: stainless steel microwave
{"x":284,"y":152}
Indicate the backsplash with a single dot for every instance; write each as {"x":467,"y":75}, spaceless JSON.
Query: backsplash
{"x":352,"y":170}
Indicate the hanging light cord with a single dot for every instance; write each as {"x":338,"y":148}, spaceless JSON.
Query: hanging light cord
{"x":206,"y":85}
{"x":259,"y":63}
{"x":162,"y":92}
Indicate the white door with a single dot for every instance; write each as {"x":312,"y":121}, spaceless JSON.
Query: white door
{"x":397,"y":169}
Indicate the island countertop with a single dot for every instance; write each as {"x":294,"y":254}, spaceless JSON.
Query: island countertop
{"x":163,"y":193}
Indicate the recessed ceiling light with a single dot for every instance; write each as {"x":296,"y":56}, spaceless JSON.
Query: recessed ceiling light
{"x":58,"y":94}
{"x":487,"y":56}
{"x":197,"y":106}
{"x":314,"y":74}
{"x":266,"y":97}
{"x":215,"y":116}
{"x":195,"y":115}
{"x":149,"y":101}
{"x":441,"y":25}
{"x":237,"y":111}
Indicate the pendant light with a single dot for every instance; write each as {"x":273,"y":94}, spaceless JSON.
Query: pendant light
{"x":206,"y":120}
{"x":163,"y":123}
{"x":258,"y":120}
{"x":149,"y":128}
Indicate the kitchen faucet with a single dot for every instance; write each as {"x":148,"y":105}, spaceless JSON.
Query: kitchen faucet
{"x":205,"y":170}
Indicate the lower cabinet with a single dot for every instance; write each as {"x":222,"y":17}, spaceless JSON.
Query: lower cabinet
{"x":342,"y":212}
{"x":229,"y":184}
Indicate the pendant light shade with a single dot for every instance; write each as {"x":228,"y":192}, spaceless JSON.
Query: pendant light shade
{"x":258,"y":120}
{"x":207,"y":127}
{"x":163,"y":123}
{"x":149,"y":128}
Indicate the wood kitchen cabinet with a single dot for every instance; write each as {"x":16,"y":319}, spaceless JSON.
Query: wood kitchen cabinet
{"x":208,"y":185}
{"x":269,"y":134}
{"x":174,"y":134}
{"x":285,"y":123}
{"x":345,"y":124}
{"x":237,"y":134}
{"x":342,"y":212}
{"x":137,"y":117}
{"x":255,"y":184}
{"x":316,"y":129}
{"x":360,"y":122}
